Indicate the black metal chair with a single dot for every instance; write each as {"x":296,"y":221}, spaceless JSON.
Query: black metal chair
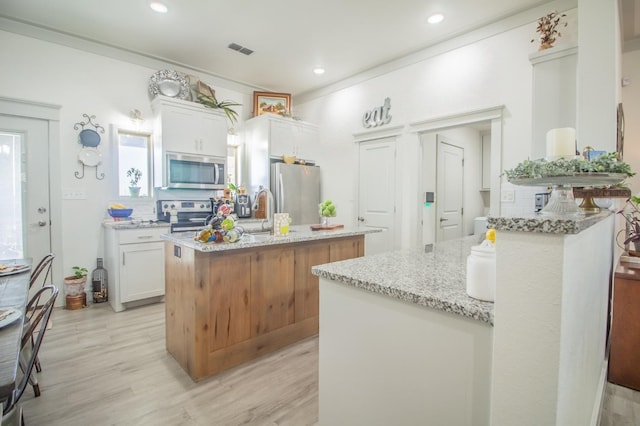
{"x":30,"y":345}
{"x":44,"y":266}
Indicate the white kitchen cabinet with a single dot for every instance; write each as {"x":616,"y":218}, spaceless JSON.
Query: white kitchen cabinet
{"x":272,"y":136}
{"x":189,"y":127}
{"x":135,"y":262}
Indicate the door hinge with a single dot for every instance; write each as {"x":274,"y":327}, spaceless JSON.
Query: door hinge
{"x":461,"y":211}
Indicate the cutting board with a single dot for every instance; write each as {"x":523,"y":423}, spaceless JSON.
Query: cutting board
{"x":325,"y":228}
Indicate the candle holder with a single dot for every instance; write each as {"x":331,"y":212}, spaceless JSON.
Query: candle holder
{"x":562,"y":202}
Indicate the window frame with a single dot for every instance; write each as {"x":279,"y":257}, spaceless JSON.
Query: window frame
{"x":116,"y":132}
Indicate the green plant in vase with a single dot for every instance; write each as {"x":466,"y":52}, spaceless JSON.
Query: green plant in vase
{"x":134,"y":176}
{"x":326,"y":209}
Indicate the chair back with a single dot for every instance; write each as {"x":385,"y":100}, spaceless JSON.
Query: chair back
{"x":43,"y":267}
{"x":42,"y":304}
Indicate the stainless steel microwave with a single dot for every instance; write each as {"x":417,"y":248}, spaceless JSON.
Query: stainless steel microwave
{"x":188,"y":171}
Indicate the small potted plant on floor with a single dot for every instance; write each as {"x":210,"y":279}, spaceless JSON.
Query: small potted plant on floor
{"x":134,"y":176}
{"x":74,"y":288}
{"x":74,"y":284}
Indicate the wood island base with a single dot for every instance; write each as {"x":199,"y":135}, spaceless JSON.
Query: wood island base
{"x":225,"y":308}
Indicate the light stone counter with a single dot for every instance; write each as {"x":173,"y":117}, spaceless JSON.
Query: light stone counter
{"x":547,"y":224}
{"x":436,"y":279}
{"x":299,"y":233}
{"x":133,"y":224}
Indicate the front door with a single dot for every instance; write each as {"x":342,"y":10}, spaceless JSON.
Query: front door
{"x":450,"y":179}
{"x":24,"y":188}
{"x":376,"y":190}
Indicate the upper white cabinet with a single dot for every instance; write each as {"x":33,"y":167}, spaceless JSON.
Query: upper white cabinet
{"x":188,"y":127}
{"x":272,"y":136}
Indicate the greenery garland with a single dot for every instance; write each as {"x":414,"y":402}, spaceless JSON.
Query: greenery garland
{"x":607,"y":163}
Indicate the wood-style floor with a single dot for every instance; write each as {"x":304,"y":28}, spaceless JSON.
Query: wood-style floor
{"x":102,"y":368}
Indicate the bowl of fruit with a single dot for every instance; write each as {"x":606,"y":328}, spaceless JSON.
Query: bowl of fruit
{"x":119,"y":211}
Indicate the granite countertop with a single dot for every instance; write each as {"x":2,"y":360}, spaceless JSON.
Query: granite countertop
{"x":133,"y":224}
{"x":436,"y":279}
{"x":298,"y":233}
{"x":547,"y":224}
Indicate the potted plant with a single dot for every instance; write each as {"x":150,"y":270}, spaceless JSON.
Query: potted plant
{"x":134,"y":176}
{"x":210,"y":101}
{"x":547,"y":28}
{"x":631,"y":214}
{"x":74,"y":284}
{"x":326,"y":209}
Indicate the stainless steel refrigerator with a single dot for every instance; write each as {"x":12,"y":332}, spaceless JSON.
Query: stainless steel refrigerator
{"x":296,"y":190}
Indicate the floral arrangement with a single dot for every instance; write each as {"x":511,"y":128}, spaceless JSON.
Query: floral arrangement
{"x":607,"y":163}
{"x":221,"y":228}
{"x":547,"y":28}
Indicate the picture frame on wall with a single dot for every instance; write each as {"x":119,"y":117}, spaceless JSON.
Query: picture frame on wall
{"x":271,"y":103}
{"x":620,"y":132}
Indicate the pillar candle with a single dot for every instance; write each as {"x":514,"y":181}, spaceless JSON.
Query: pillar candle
{"x":561,"y":142}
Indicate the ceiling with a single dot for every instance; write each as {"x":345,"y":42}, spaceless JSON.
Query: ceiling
{"x":289,"y":37}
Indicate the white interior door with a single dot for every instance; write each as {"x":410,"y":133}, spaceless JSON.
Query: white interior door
{"x":450,"y":181}
{"x":376,"y":189}
{"x":24,"y":188}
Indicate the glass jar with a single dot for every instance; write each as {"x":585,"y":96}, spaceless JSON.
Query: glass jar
{"x":99,"y":283}
{"x":481,"y":272}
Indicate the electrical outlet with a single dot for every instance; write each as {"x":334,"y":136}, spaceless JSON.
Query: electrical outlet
{"x":73,"y":195}
{"x":508,"y":196}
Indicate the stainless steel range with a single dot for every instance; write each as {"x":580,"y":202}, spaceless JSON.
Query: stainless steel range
{"x":184,"y":215}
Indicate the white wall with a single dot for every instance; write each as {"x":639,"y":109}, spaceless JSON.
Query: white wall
{"x":631,"y":105}
{"x":491,"y":72}
{"x":97,"y":85}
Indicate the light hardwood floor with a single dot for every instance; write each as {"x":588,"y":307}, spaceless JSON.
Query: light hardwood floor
{"x":103,"y":368}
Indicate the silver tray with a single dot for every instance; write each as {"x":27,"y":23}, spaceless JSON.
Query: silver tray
{"x":577,"y":179}
{"x":169,"y":83}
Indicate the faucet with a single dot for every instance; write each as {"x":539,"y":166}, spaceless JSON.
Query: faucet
{"x":269,"y":208}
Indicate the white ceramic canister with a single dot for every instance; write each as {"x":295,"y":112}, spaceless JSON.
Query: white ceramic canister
{"x":481,"y":272}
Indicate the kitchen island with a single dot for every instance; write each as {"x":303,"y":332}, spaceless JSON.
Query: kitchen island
{"x":228,"y":303}
{"x":402,"y":343}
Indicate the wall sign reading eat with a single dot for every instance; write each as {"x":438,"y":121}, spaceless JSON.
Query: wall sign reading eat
{"x":377,"y":116}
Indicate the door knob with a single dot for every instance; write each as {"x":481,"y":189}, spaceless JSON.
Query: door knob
{"x":442,"y":219}
{"x":42,"y":223}
{"x":360,"y":219}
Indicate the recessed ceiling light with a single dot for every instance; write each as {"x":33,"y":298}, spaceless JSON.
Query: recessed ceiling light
{"x":436,"y":18}
{"x":158,"y":6}
{"x":318,"y":70}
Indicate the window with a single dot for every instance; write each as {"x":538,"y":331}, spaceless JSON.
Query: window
{"x":232,"y":164}
{"x":134,"y":152}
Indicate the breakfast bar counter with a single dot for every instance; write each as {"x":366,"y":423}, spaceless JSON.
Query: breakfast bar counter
{"x":228,"y":303}
{"x":402,"y":343}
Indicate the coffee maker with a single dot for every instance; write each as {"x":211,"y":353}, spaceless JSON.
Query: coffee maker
{"x":243,"y":205}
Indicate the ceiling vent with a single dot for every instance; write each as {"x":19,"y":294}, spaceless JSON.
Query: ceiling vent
{"x":241,"y":49}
